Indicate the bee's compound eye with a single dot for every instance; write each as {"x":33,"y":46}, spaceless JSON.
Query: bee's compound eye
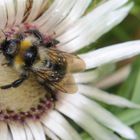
{"x":48,"y":63}
{"x":10,"y":47}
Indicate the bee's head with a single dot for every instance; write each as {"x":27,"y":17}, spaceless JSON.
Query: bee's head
{"x":9,"y":47}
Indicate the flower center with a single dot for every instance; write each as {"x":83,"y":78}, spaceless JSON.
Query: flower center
{"x":33,"y":58}
{"x":30,"y":100}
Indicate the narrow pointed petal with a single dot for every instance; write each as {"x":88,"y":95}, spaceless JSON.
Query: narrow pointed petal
{"x":45,"y":5}
{"x":85,"y":121}
{"x":86,"y":77}
{"x":3,"y":14}
{"x":10,"y":12}
{"x":101,"y":115}
{"x":50,"y":134}
{"x":34,"y":10}
{"x":97,"y":31}
{"x":17,"y":130}
{"x":56,"y":123}
{"x":28,"y":132}
{"x":99,"y":23}
{"x":96,"y":14}
{"x":75,"y":13}
{"x":94,"y":76}
{"x":115,"y":78}
{"x":45,"y":16}
{"x":105,"y":97}
{"x":112,"y":53}
{"x":58,"y":15}
{"x":36,"y":129}
{"x":20,"y":9}
{"x":9,"y":137}
{"x":4,"y":132}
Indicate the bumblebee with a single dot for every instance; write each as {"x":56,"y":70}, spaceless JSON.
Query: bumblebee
{"x":28,"y":52}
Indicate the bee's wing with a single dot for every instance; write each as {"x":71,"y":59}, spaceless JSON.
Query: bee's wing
{"x":74,"y":63}
{"x":66,"y":84}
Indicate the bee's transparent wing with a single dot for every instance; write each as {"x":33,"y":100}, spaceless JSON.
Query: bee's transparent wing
{"x":74,"y":63}
{"x":66,"y":84}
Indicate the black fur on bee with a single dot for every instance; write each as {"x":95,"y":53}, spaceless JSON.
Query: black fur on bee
{"x":9,"y":48}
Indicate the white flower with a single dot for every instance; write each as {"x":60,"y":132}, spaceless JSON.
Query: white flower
{"x":66,"y":22}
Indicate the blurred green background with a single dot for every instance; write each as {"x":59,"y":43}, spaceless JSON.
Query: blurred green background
{"x":128,"y":30}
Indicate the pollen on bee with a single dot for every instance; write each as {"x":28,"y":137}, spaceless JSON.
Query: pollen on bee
{"x":18,"y":61}
{"x":25,"y":44}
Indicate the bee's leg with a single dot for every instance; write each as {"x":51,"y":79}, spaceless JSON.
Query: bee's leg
{"x":51,"y":43}
{"x":16,"y":83}
{"x":7,"y":63}
{"x":21,"y":36}
{"x":36,"y":33}
{"x":55,"y":42}
{"x":51,"y":91}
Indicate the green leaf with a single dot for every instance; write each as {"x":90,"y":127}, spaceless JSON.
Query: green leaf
{"x":127,"y":88}
{"x":85,"y":136}
{"x":136,"y":92}
{"x":132,"y":117}
{"x":137,"y":129}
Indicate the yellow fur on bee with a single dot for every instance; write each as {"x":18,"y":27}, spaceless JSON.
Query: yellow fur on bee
{"x":25,"y":44}
{"x":19,"y":60}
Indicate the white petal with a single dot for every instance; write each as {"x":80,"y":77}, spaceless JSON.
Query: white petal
{"x":57,"y":15}
{"x":112,"y":53}
{"x":92,"y":26}
{"x":34,"y":10}
{"x":105,"y":97}
{"x":53,"y":10}
{"x":17,"y":130}
{"x":45,"y":5}
{"x":97,"y":31}
{"x":10,"y":137}
{"x":85,"y":121}
{"x":28,"y":132}
{"x":101,"y":115}
{"x":4,"y":132}
{"x":76,"y":12}
{"x":10,"y":12}
{"x":56,"y":123}
{"x":96,"y":14}
{"x":36,"y":129}
{"x":86,"y":77}
{"x":20,"y":9}
{"x":50,"y":134}
{"x":3,"y":14}
{"x":93,"y":76}
{"x":114,"y":78}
